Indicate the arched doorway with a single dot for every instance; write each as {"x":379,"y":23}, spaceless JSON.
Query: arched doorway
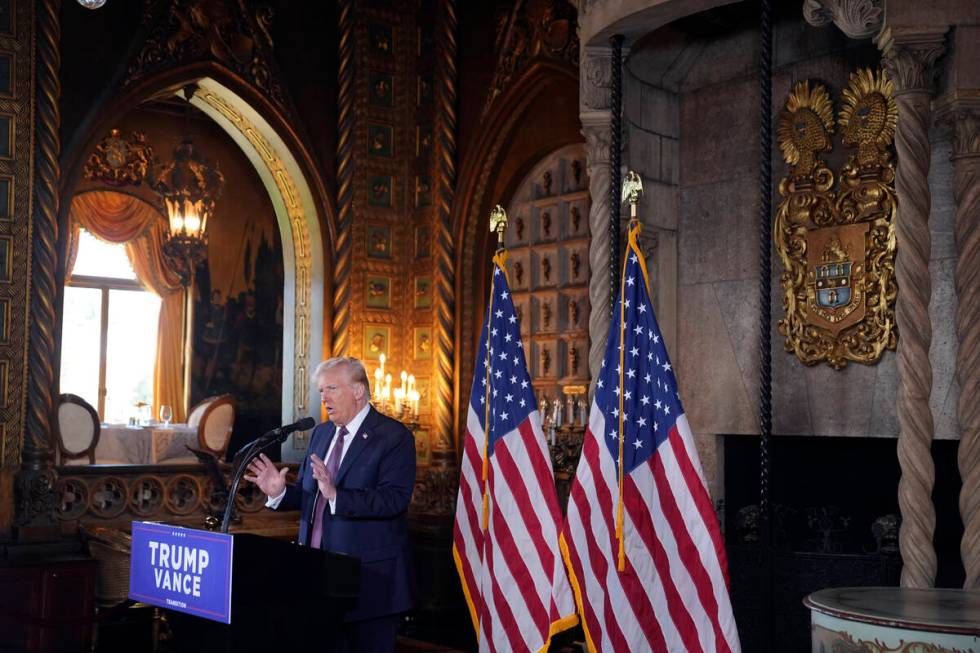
{"x":302,"y":208}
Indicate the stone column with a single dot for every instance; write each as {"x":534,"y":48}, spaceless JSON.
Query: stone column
{"x":595,"y":80}
{"x":964,"y":126}
{"x":908,"y":55}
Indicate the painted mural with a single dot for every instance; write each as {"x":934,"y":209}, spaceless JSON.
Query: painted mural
{"x":238,"y":326}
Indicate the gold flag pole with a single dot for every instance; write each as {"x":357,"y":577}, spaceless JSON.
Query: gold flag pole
{"x":632,"y":189}
{"x":498,"y":224}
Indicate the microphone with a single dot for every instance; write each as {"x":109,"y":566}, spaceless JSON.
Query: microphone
{"x":280,"y":432}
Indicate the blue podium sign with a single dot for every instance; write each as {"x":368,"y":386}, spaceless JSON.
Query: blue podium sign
{"x":182,"y":569}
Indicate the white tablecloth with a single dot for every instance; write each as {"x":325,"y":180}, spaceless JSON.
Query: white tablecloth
{"x":146,"y":445}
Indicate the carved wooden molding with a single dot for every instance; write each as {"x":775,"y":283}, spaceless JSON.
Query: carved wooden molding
{"x":35,"y":482}
{"x":532,"y":31}
{"x":181,"y":32}
{"x":859,"y":19}
{"x":445,"y":246}
{"x":345,"y":181}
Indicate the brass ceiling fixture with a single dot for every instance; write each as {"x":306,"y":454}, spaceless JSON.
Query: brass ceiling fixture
{"x":190,"y":186}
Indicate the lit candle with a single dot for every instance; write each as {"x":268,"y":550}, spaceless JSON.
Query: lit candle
{"x":414,"y":402}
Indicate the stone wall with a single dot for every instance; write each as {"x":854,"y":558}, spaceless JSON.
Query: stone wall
{"x":692,"y":121}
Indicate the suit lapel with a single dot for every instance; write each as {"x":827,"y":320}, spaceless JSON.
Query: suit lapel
{"x":358,"y":444}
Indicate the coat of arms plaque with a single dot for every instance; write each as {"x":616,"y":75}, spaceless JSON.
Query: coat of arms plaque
{"x":837,"y":240}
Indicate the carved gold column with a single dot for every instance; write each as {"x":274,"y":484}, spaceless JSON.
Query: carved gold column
{"x":345,"y":180}
{"x":964,"y":124}
{"x":908,"y":55}
{"x":595,"y":81}
{"x":445,"y":252}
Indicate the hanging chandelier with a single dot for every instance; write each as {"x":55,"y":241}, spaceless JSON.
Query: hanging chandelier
{"x":189,"y":185}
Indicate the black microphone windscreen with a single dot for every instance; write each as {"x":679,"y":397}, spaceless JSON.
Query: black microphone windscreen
{"x":305,"y":423}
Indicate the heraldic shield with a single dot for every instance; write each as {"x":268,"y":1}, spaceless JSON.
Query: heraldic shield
{"x":835,"y":276}
{"x":834,"y":235}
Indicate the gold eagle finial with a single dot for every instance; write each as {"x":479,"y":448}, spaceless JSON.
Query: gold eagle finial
{"x":632,"y":189}
{"x":498,"y":223}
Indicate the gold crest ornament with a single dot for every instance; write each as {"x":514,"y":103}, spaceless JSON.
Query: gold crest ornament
{"x":120,"y":161}
{"x":837,"y":242}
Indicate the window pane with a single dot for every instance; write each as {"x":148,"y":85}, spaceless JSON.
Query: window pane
{"x":80,"y":337}
{"x":99,"y":259}
{"x":132,"y":349}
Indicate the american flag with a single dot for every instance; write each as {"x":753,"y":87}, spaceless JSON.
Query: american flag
{"x":644,"y":549}
{"x":505,"y":539}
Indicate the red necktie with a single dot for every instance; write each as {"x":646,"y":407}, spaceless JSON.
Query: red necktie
{"x":333,"y":464}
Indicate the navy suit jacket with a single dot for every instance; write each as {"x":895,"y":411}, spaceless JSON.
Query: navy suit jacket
{"x":374,"y":488}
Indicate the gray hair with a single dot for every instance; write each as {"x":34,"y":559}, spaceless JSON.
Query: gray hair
{"x":355,"y":371}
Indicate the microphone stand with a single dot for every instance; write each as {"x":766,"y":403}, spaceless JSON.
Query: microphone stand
{"x":257,"y":446}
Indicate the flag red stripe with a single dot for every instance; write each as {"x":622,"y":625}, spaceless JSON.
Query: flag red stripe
{"x":503,"y":612}
{"x":701,"y":498}
{"x":542,"y":468}
{"x":512,"y":477}
{"x":686,"y":548}
{"x":639,"y":604}
{"x":647,"y":530}
{"x":606,"y":622}
{"x":469,"y":572}
{"x":473,"y":455}
{"x":516,"y":563}
{"x":474,"y":514}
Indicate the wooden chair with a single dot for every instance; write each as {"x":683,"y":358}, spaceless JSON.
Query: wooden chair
{"x":216,"y":422}
{"x":214,"y":418}
{"x":77,"y":425}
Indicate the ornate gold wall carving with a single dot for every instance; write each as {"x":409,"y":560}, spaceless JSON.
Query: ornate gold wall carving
{"x":119,"y":160}
{"x":445,"y":296}
{"x":393,"y":265}
{"x":345,"y":181}
{"x":837,"y":244}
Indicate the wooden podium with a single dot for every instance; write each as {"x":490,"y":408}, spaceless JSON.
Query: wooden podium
{"x":281,"y":595}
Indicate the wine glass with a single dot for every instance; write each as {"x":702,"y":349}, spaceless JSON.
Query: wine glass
{"x":166,"y":414}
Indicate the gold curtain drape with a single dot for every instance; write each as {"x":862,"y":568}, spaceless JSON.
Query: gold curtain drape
{"x":119,"y":218}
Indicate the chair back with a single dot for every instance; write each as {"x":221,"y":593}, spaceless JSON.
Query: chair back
{"x":214,"y":428}
{"x":197,"y":412}
{"x":77,"y":425}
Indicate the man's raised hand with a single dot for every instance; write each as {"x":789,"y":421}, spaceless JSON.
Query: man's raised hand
{"x":263,"y":472}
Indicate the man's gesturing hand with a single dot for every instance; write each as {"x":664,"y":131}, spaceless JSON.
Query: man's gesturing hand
{"x":263,"y":473}
{"x":323,"y":480}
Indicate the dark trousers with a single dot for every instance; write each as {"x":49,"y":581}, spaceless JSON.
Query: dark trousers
{"x":368,"y":636}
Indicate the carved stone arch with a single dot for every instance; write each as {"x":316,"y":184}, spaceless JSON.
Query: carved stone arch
{"x":600,"y":19}
{"x":503,"y":155}
{"x":284,"y":162}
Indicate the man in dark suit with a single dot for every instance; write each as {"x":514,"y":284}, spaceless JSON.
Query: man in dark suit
{"x":353,"y":493}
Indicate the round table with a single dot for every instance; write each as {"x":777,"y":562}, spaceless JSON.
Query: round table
{"x":894,"y":620}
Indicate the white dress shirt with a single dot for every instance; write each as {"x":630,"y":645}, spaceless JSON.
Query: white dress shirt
{"x":352,"y":428}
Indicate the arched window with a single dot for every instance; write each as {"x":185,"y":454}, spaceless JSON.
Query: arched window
{"x":109,"y":332}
